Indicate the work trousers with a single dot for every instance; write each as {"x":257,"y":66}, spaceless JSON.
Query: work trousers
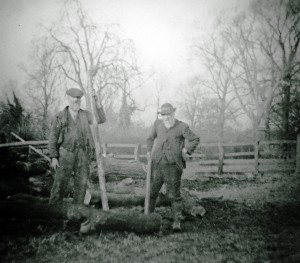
{"x":169,"y":174}
{"x":70,"y":163}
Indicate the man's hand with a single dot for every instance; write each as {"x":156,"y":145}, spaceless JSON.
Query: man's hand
{"x":149,"y":156}
{"x":94,"y":95}
{"x":54,"y":163}
{"x":184,"y":153}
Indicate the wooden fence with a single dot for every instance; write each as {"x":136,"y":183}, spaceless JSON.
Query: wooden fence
{"x":261,"y":156}
{"x":258,"y":157}
{"x":264,"y":156}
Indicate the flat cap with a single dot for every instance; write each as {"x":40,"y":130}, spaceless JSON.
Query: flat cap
{"x":73,"y":92}
{"x":166,"y":109}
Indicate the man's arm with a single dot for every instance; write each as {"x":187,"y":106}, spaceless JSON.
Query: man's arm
{"x":193,"y":139}
{"x":99,"y":111}
{"x":53,"y":137}
{"x":55,"y":131}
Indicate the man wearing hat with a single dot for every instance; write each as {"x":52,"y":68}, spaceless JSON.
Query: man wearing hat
{"x":168,"y":157}
{"x":71,"y":146}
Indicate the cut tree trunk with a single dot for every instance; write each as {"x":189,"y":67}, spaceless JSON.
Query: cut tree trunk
{"x":190,"y":207}
{"x":32,"y":208}
{"x":115,"y":170}
{"x":119,"y":169}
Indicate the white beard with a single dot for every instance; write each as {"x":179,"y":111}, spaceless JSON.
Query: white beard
{"x":75,"y":107}
{"x":169,"y":124}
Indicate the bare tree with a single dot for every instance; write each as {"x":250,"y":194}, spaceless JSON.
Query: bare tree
{"x":265,"y":42}
{"x":218,"y":80}
{"x":280,"y":20}
{"x":43,"y":77}
{"x":252,"y":72}
{"x":198,"y":107}
{"x":94,"y":52}
{"x":191,"y":102}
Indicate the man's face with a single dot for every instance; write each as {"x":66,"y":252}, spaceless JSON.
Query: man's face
{"x":74,"y":103}
{"x":168,"y":119}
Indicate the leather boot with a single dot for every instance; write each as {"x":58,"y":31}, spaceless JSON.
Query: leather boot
{"x":86,"y":228}
{"x":152,"y":205}
{"x":176,"y":207}
{"x":176,"y":226}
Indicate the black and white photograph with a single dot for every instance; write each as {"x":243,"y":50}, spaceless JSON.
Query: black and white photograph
{"x":160,"y":131}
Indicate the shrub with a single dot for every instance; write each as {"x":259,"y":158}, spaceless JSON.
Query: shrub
{"x":14,"y":118}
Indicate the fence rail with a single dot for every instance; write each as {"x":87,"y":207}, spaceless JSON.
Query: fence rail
{"x":260,"y":156}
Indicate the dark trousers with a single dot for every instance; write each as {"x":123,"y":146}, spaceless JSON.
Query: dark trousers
{"x":169,"y":174}
{"x":70,"y":162}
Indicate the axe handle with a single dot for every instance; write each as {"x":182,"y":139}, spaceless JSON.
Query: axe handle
{"x":148,"y":183}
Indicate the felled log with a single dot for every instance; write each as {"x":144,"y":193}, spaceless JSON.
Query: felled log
{"x":41,"y":184}
{"x":31,"y":208}
{"x":31,"y":168}
{"x":125,"y":186}
{"x":116,"y":169}
{"x":190,"y":207}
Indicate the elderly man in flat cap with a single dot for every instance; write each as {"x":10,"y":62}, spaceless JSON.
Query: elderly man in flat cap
{"x":168,"y":158}
{"x":71,"y":146}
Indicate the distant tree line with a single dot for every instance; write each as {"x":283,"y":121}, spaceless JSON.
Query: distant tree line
{"x":250,"y":66}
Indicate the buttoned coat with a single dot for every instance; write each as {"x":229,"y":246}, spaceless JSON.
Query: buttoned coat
{"x":60,"y":129}
{"x":175,"y":136}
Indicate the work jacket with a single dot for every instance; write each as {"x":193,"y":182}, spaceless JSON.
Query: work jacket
{"x":71,"y":134}
{"x":172,"y":140}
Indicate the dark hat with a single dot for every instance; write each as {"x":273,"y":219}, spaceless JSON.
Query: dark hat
{"x":166,"y":109}
{"x":73,"y":92}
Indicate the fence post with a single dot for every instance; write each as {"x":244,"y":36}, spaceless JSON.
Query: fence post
{"x":221,"y":158}
{"x":256,"y":156}
{"x":104,"y":149}
{"x":137,"y":152}
{"x":298,"y":154}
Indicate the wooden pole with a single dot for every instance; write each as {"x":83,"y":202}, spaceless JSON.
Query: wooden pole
{"x":23,"y":144}
{"x":100,"y":168}
{"x":105,"y":149}
{"x":137,"y":150}
{"x":33,"y":148}
{"x":298,"y":154}
{"x":95,"y":130}
{"x":148,"y":184}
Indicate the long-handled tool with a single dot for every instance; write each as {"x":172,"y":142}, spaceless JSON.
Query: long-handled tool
{"x":100,"y":167}
{"x":148,"y":184}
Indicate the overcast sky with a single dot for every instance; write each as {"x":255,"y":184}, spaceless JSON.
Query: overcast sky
{"x":161,"y":30}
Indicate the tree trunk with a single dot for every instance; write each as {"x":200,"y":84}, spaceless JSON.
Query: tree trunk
{"x":125,"y":114}
{"x":31,"y":208}
{"x":221,"y":137}
{"x":44,"y":121}
{"x":286,"y":105}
